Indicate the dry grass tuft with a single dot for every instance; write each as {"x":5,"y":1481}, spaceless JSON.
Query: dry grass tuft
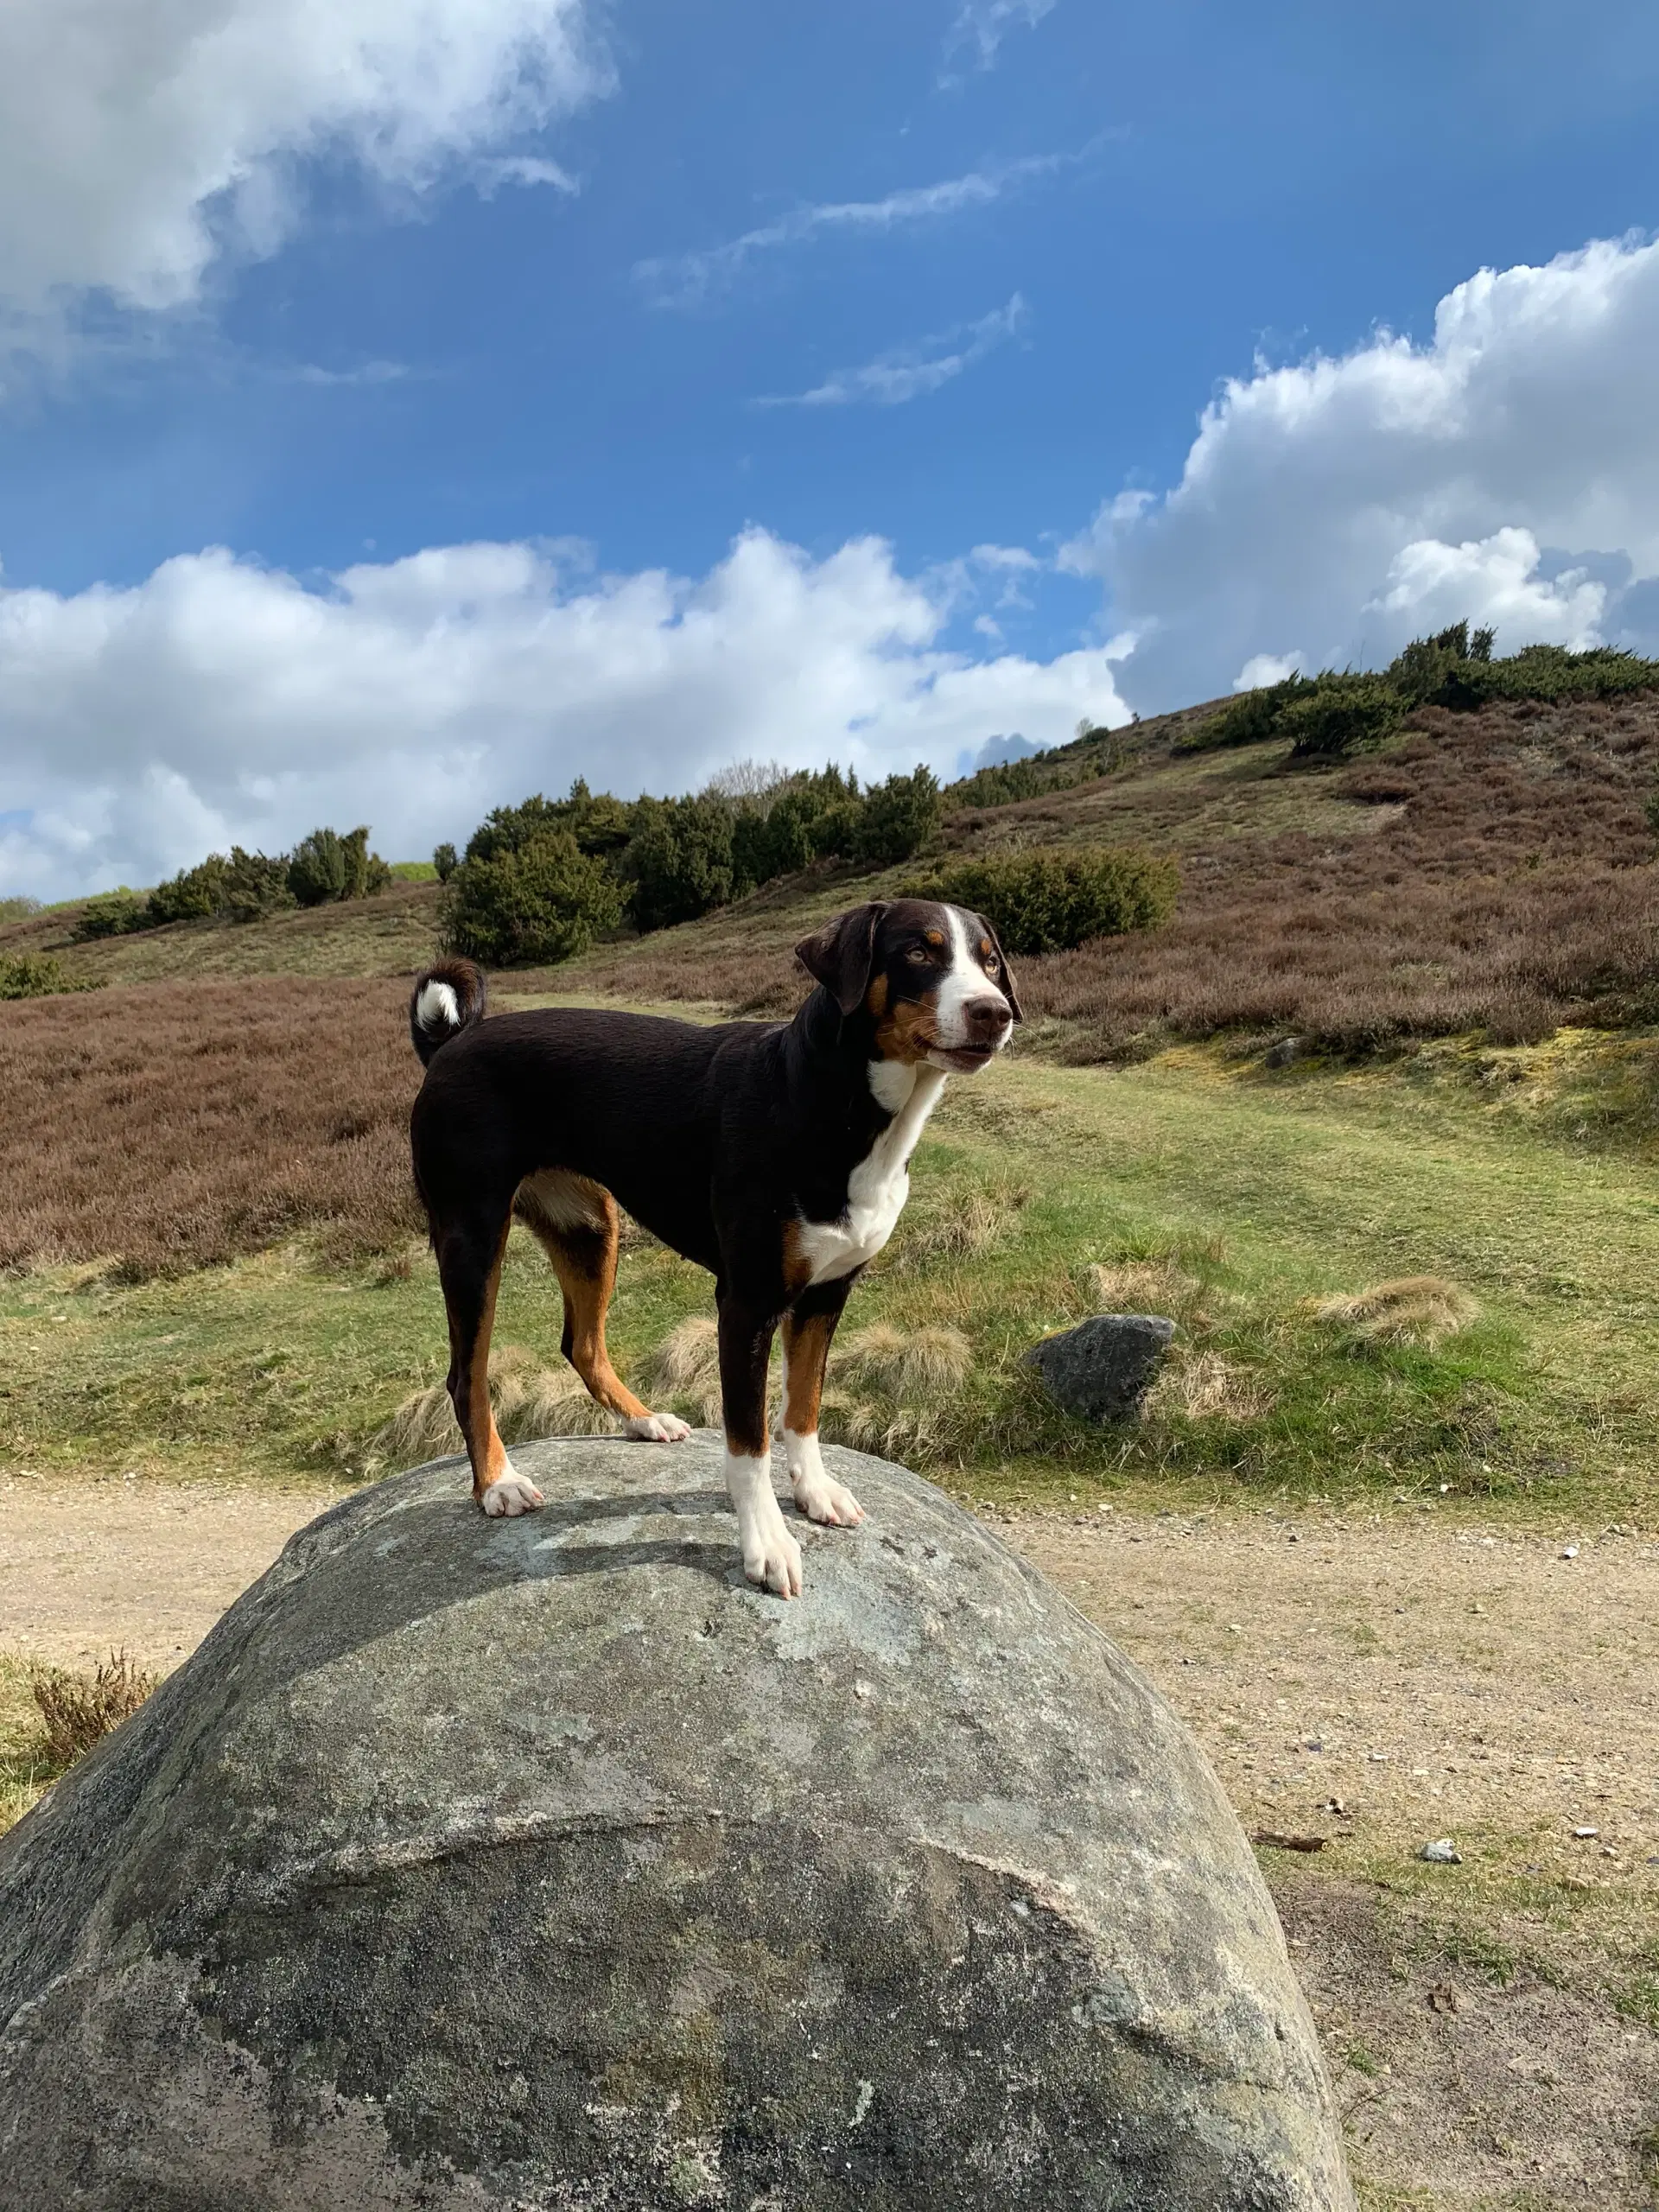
{"x":918,"y":1367}
{"x":686,"y":1367}
{"x":530,"y":1401}
{"x":903,"y":1398}
{"x":1203,"y":1386}
{"x":78,"y":1710}
{"x":1418,"y":1309}
{"x":979,"y":1220}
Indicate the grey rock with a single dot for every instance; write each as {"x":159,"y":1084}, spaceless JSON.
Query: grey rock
{"x":1103,"y":1367}
{"x":484,"y":1866}
{"x":1285,"y":1053}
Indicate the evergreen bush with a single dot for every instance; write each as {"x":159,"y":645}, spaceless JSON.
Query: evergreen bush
{"x":1051,"y":901}
{"x":541,"y":901}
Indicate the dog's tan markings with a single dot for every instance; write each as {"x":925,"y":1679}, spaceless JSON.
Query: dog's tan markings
{"x":934,"y":937}
{"x":984,"y":948}
{"x":875,"y":999}
{"x":797,"y":1264}
{"x":806,"y":1349}
{"x":576,"y":1224}
{"x":906,"y":1033}
{"x":484,"y":1449}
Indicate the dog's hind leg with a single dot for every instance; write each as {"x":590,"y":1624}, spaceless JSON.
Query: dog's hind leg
{"x":771,"y":1556}
{"x":808,"y":1328}
{"x":576,"y":1224}
{"x":469,"y":1267}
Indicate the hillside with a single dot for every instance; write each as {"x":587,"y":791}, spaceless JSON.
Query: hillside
{"x":1485,"y":871}
{"x":1488,"y":871}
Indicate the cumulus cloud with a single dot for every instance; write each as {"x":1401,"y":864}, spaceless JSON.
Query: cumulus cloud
{"x":687,"y":280}
{"x":909,"y":372}
{"x":138,"y":136}
{"x":219,"y":700}
{"x":1507,"y":470}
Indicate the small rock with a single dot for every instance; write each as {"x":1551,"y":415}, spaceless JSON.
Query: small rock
{"x":1442,"y":1998}
{"x":1441,"y":1852}
{"x":1102,"y":1369}
{"x":1585,"y":1835}
{"x":1570,"y":1551}
{"x":1285,"y":1053}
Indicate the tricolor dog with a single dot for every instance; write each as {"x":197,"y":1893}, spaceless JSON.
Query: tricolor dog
{"x":774,"y":1154}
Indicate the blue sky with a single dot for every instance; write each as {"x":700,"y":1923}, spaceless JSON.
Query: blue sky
{"x":600,"y":294}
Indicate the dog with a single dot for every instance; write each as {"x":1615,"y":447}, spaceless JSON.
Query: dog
{"x":776,"y":1154}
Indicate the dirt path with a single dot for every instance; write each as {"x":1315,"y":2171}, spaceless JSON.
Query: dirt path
{"x":1375,"y":1680}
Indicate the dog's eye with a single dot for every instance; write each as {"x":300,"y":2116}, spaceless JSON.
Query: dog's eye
{"x":918,"y":954}
{"x":992,"y":964}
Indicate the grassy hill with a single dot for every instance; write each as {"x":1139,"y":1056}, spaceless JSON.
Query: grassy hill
{"x":1487,"y":871}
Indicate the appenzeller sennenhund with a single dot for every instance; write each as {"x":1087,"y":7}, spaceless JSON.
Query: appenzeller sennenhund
{"x":774,"y":1154}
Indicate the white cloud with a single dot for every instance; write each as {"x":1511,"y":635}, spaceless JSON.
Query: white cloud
{"x":218,"y":701}
{"x":138,"y":136}
{"x":909,"y":372}
{"x":687,"y":279}
{"x":1431,"y":584}
{"x":982,"y":24}
{"x":1508,"y":471}
{"x":1263,"y":668}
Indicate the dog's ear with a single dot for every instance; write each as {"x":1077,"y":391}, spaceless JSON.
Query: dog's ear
{"x":839,"y":955}
{"x":1005,"y":978}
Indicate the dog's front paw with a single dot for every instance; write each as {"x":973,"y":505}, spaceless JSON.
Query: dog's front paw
{"x":771,"y":1560}
{"x":509,"y":1495}
{"x":657,"y":1429}
{"x":828,"y":1502}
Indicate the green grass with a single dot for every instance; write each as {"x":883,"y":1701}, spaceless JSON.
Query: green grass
{"x":1257,"y":1197}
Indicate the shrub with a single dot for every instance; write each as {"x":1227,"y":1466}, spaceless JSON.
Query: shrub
{"x":194,"y":894}
{"x":326,"y":866}
{"x":897,"y":818}
{"x":1250,"y":719}
{"x":1339,"y":715}
{"x":110,"y":914}
{"x":444,"y":858}
{"x":38,"y":976}
{"x":1042,"y":901}
{"x":18,"y":909}
{"x":255,"y":885}
{"x":1032,"y":776}
{"x":543,"y":901}
{"x":678,"y":860}
{"x":601,"y":825}
{"x":316,"y":869}
{"x":78,"y":1710}
{"x":809,"y":816}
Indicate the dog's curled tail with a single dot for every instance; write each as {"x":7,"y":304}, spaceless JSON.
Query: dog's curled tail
{"x":447,"y":999}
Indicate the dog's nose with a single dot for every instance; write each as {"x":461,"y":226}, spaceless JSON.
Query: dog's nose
{"x":985,"y":1019}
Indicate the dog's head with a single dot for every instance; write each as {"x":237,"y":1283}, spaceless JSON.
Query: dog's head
{"x":932,"y":981}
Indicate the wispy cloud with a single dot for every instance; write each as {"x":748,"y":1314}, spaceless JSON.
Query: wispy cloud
{"x":366,"y":372}
{"x":687,"y":279}
{"x":524,"y":169}
{"x":910,"y":372}
{"x":981,"y":23}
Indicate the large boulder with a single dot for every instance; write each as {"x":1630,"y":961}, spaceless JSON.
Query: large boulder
{"x":485,"y":1863}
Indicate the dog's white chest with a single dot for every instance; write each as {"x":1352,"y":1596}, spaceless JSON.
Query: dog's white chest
{"x":878,"y":1186}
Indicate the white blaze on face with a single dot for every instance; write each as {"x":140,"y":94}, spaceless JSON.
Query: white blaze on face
{"x":964,"y":979}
